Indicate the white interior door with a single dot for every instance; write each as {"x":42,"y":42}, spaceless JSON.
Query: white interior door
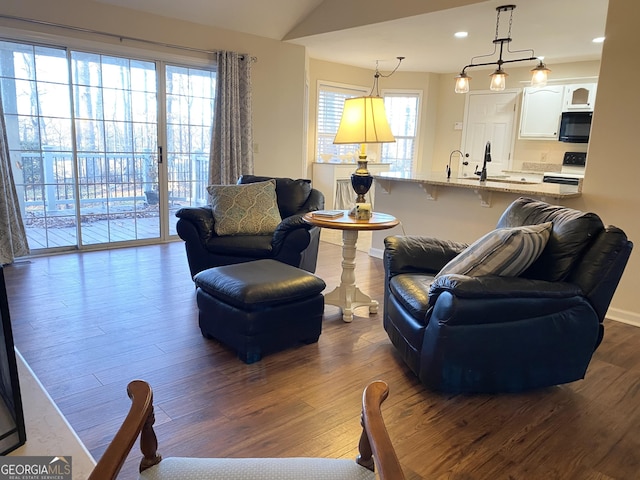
{"x":489,"y":116}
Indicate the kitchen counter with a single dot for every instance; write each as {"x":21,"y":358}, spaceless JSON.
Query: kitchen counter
{"x":430,"y":182}
{"x":458,"y":209}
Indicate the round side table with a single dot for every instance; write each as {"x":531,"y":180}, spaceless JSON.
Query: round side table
{"x":347,"y":295}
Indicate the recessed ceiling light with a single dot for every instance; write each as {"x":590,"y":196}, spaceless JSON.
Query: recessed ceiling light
{"x":598,"y":40}
{"x":460,"y":34}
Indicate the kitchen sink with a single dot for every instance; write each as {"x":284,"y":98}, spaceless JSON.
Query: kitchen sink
{"x":508,"y":179}
{"x":503,"y":179}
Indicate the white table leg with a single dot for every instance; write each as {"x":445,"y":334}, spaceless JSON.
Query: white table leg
{"x":347,"y":295}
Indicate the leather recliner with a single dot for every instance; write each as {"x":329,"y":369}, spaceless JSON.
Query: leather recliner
{"x":294,"y":241}
{"x":504,"y":334}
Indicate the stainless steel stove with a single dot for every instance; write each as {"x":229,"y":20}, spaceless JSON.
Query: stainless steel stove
{"x":574,"y":162}
{"x":572,"y":170}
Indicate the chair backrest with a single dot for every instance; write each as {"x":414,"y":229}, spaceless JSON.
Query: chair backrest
{"x":572,"y":233}
{"x":140,"y":418}
{"x":292,"y":193}
{"x":374,"y":447}
{"x":580,"y":249}
{"x":600,"y":268}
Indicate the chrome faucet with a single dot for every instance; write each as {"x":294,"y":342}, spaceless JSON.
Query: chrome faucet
{"x":462,"y":155}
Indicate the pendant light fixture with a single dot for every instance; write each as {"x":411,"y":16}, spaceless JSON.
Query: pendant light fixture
{"x":499,"y":76}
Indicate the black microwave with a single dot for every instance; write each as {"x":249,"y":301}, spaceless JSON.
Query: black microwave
{"x":575,"y":127}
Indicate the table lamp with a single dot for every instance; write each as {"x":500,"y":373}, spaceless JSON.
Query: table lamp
{"x":364,"y":120}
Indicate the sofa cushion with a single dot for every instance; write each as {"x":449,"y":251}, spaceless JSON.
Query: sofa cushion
{"x":572,"y":232}
{"x":411,"y":290}
{"x":505,"y":252}
{"x":291,"y":194}
{"x":249,"y":209}
{"x":250,"y":246}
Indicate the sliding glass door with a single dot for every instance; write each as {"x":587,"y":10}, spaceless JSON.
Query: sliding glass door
{"x":189,"y":107}
{"x":116,"y":140}
{"x":86,"y":132}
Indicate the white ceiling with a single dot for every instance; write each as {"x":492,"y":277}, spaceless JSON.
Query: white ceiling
{"x":559,"y":30}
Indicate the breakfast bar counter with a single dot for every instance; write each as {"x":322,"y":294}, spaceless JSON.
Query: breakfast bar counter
{"x":459,"y":209}
{"x":433,"y":182}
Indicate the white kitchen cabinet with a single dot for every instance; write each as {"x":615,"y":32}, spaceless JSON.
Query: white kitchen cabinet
{"x":580,"y":97}
{"x":327,"y":175}
{"x":541,"y":111}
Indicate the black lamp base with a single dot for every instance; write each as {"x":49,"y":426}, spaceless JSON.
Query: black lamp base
{"x":361,"y":180}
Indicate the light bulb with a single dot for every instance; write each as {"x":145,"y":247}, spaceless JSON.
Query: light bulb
{"x":539,"y":78}
{"x":498,"y":80}
{"x":539,"y":75}
{"x":462,"y":83}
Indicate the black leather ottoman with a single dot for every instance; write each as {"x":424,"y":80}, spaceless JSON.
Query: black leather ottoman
{"x":259,"y":307}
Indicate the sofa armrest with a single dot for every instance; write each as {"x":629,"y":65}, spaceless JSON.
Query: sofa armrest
{"x":415,"y":254}
{"x":314,"y":202}
{"x":201,"y":218}
{"x":287,"y":226}
{"x":462,"y":300}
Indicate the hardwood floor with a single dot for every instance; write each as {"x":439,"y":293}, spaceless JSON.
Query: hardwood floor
{"x":89,"y":323}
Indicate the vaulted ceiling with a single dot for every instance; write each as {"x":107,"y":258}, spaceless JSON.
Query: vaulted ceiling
{"x":361,"y":32}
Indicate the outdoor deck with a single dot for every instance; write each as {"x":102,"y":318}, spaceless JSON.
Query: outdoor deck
{"x":97,"y":232}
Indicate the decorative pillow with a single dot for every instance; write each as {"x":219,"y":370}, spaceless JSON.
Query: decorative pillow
{"x":505,"y":252}
{"x":250,"y":209}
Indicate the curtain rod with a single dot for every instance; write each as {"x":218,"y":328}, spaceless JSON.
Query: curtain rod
{"x":113,"y":35}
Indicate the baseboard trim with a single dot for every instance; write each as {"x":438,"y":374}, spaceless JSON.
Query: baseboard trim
{"x":376,"y":252}
{"x":623,"y":316}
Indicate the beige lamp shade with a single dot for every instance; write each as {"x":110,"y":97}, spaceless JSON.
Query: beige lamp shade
{"x":364,"y":120}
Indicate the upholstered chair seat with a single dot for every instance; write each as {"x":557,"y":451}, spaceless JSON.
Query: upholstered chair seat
{"x":289,"y":240}
{"x":180,"y":468}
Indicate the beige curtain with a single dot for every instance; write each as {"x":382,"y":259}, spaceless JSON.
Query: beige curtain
{"x":232,"y":139}
{"x":13,"y":238}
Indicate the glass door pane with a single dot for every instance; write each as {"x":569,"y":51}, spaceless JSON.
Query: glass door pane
{"x":189,"y":104}
{"x":115,"y":103}
{"x":37,"y":108}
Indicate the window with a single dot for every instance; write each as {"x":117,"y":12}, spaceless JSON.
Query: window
{"x":331,"y":99}
{"x":84,"y":133}
{"x":403,"y":112}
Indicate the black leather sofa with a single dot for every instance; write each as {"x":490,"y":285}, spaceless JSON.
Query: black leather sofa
{"x":504,"y":334}
{"x":294,"y":242}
